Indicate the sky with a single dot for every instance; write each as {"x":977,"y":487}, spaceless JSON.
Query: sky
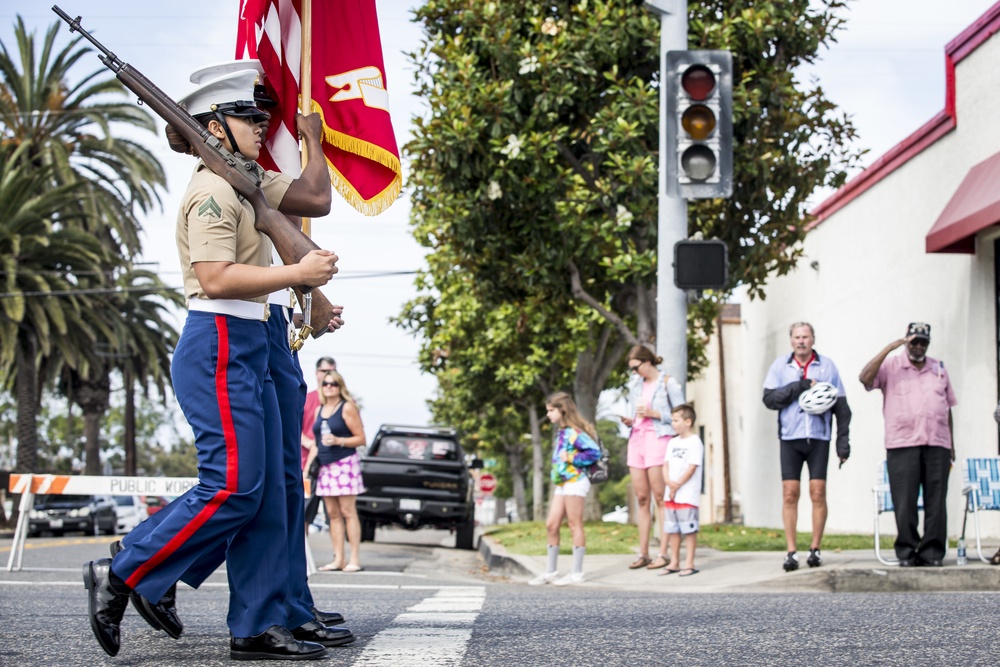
{"x":886,"y":70}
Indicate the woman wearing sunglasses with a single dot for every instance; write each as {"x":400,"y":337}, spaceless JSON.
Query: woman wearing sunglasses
{"x":652,"y":395}
{"x":338,"y":432}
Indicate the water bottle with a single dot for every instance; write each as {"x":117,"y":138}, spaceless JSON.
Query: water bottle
{"x":962,"y":560}
{"x":324,"y":430}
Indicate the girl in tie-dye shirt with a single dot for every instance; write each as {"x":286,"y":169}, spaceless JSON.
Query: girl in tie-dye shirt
{"x":575,"y":448}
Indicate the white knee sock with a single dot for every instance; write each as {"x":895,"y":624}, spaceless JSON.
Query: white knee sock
{"x":553,"y":554}
{"x":578,"y":553}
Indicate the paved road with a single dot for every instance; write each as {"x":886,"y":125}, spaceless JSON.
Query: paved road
{"x":421,"y":604}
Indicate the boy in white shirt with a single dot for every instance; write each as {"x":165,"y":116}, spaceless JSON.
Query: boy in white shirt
{"x":682,"y":472}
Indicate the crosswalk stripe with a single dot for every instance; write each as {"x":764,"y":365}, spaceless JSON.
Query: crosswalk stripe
{"x":433,"y":632}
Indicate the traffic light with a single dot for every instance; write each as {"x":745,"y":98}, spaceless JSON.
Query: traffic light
{"x":700,"y":265}
{"x":699,"y":124}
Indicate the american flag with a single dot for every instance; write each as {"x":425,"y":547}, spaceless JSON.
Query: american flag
{"x":348,"y":88}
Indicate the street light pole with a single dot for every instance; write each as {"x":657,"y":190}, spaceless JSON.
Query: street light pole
{"x":672,"y":225}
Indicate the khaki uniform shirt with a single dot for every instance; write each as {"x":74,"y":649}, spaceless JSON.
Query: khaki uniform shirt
{"x":215,"y":224}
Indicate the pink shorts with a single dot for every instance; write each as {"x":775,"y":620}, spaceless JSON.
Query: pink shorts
{"x":645,"y":450}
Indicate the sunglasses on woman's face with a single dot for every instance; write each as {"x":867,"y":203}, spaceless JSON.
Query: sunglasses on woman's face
{"x":331,"y":384}
{"x":634,"y":368}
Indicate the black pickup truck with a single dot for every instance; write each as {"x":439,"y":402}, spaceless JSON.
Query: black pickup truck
{"x":417,"y":476}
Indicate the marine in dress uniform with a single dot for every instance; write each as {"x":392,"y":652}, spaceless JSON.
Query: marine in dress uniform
{"x":224,"y":387}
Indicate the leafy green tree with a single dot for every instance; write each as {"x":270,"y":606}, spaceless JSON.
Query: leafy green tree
{"x":534,"y":171}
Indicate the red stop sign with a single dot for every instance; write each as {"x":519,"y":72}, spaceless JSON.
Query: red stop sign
{"x":487,"y":483}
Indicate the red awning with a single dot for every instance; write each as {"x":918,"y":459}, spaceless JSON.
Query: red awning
{"x":974,"y":207}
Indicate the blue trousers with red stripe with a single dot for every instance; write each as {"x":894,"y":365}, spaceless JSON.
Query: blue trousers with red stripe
{"x":290,"y":387}
{"x":221,"y":380}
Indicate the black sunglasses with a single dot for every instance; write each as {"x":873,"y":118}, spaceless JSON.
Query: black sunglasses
{"x":636,"y":367}
{"x":331,"y":384}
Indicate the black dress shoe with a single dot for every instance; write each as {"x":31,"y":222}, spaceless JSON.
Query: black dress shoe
{"x":907,"y":562}
{"x":275,"y":643}
{"x":929,"y":562}
{"x":105,"y":605}
{"x":163,"y":614}
{"x":313,"y":631}
{"x":332,"y":618}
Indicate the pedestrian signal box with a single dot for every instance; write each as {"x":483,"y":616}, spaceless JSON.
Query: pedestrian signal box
{"x":700,"y":265}
{"x":699,"y":120}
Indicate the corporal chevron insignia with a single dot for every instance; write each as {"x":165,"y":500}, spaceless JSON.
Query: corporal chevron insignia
{"x":210,"y":210}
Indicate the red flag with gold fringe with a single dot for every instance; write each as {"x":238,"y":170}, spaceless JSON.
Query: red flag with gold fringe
{"x":348,"y":89}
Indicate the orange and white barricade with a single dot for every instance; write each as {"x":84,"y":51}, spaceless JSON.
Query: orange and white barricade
{"x":29,"y":485}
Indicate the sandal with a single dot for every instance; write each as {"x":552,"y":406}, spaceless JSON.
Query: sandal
{"x":329,"y":567}
{"x":995,"y":560}
{"x":658,"y":563}
{"x":641,"y":561}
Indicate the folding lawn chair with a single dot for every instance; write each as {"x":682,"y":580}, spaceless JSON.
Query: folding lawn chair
{"x":981,"y":488}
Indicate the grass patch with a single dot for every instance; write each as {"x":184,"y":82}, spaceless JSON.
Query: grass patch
{"x":529,"y":538}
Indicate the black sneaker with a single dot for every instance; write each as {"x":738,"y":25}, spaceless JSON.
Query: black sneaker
{"x":791,"y":562}
{"x":815,"y":559}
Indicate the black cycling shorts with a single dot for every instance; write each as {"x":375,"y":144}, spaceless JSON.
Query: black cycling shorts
{"x":794,"y":453}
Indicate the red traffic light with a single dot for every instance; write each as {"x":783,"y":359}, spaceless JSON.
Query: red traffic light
{"x":698,"y":82}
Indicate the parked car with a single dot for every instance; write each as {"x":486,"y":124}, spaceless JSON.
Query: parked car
{"x":59,"y":514}
{"x":154,"y":503}
{"x":130,"y":511}
{"x":415,"y":477}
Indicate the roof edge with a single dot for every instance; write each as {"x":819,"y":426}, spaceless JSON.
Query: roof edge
{"x":941,"y":124}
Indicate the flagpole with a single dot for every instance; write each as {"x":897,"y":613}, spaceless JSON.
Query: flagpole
{"x":305,"y":84}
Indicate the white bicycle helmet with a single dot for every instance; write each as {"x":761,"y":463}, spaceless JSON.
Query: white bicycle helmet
{"x":818,"y":398}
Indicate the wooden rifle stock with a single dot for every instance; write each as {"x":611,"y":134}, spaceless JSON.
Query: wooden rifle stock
{"x":292,"y":245}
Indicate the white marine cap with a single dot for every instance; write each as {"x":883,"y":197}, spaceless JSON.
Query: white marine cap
{"x":231,"y":94}
{"x":216,"y":70}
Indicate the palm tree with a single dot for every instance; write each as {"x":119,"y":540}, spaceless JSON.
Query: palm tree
{"x":135,"y":338}
{"x":64,"y":132}
{"x":70,"y":128}
{"x":40,"y":251}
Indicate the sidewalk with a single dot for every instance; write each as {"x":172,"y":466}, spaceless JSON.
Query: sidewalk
{"x":758,"y":572}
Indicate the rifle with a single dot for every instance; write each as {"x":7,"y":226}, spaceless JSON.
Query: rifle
{"x":292,"y":245}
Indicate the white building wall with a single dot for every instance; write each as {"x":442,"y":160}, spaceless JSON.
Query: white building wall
{"x":864,"y":276}
{"x":705,"y":394}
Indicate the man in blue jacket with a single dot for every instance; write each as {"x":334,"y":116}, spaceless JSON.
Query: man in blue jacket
{"x":804,"y":437}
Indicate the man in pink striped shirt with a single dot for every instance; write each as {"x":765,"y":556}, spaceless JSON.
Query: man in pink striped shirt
{"x":917,"y":398}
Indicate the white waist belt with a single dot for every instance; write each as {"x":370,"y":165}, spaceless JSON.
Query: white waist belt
{"x":283,"y":298}
{"x":247,"y":310}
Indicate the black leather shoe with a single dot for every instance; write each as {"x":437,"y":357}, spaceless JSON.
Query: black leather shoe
{"x":313,"y":631}
{"x":907,"y":562}
{"x":929,"y":562}
{"x":330,"y":618}
{"x":163,"y":614}
{"x":275,"y":643}
{"x":105,"y":606}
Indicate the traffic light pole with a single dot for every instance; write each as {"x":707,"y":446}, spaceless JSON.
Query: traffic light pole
{"x":672,"y":222}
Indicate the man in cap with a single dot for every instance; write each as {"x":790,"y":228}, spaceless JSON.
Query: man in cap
{"x":805,"y":438}
{"x":917,"y":398}
{"x":223,"y":385}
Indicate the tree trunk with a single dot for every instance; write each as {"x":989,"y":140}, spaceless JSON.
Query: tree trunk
{"x":130,"y":460}
{"x":537,"y":466}
{"x":92,"y":444}
{"x":27,"y":406}
{"x":515,"y":457}
{"x":92,"y":395}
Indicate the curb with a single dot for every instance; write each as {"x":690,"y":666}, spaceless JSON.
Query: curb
{"x":498,"y":560}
